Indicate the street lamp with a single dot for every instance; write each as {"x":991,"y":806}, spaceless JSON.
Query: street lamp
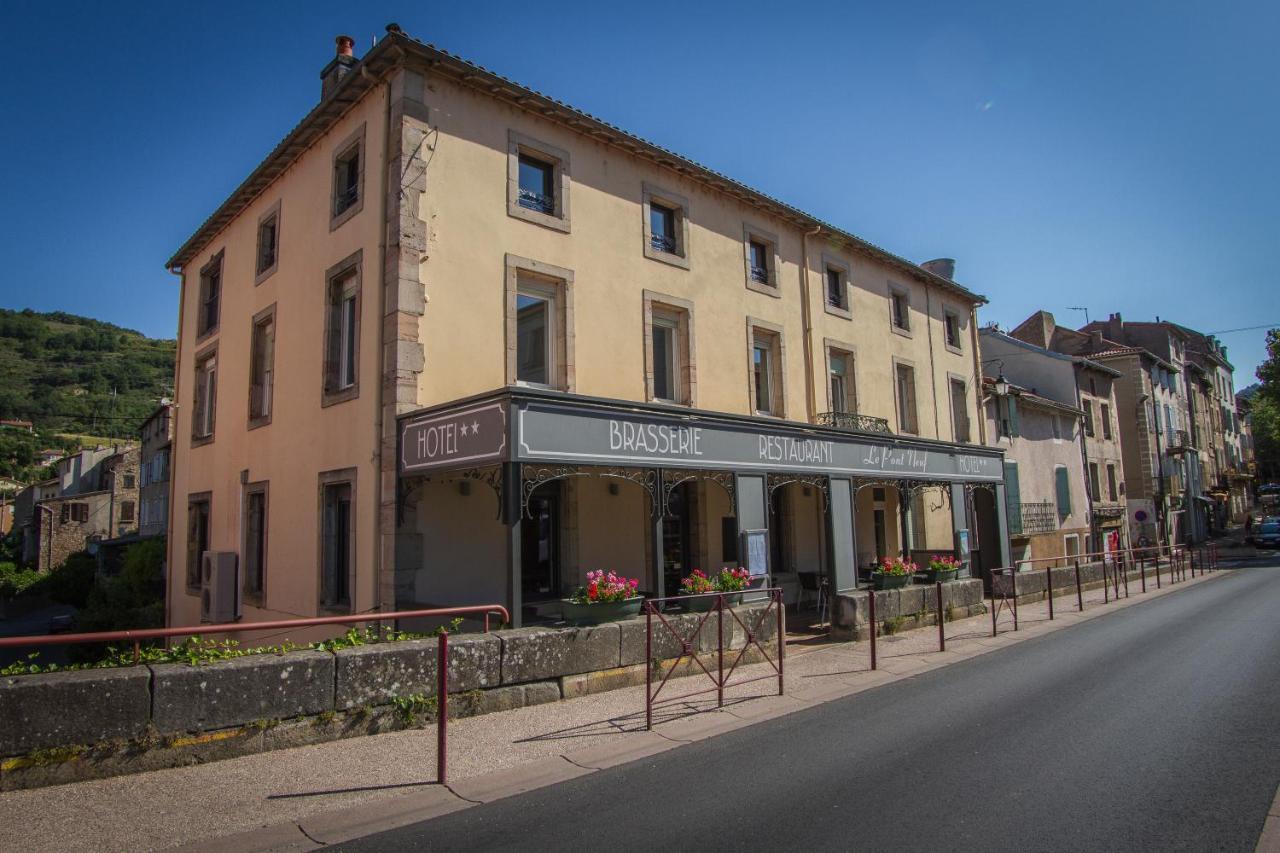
{"x":1002,"y":386}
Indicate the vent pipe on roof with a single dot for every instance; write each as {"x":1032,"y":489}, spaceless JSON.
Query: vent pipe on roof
{"x":342,"y":63}
{"x":945,"y":267}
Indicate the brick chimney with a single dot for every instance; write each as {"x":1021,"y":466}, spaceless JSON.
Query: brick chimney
{"x":1115,"y":328}
{"x":944,"y":267}
{"x":342,"y":63}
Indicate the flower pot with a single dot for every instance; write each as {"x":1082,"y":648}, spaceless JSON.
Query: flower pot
{"x":879,"y":580}
{"x":943,"y":575}
{"x":601,"y":611}
{"x":703,"y":604}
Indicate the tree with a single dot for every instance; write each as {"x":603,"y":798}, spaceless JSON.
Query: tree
{"x":1264,"y":410}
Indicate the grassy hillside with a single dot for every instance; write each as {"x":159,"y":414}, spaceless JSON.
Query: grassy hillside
{"x":72,"y":374}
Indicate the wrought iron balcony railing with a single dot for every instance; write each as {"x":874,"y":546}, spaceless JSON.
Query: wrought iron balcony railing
{"x":663,"y":243}
{"x":760,"y":274}
{"x":345,"y":198}
{"x":1179,"y":441}
{"x":537,"y":201}
{"x":852,"y":422}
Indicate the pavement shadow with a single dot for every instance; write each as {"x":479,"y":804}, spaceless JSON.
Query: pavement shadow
{"x":677,"y":709}
{"x":353,"y":790}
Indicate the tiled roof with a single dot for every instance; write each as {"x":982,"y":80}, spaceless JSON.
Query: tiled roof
{"x":389,"y":52}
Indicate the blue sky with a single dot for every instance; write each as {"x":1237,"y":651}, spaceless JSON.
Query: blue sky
{"x":1088,"y":155}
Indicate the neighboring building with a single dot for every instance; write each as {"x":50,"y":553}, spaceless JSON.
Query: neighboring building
{"x":103,"y":504}
{"x":1033,"y":413}
{"x":381,"y":334}
{"x":24,"y":426}
{"x":82,"y":471}
{"x":24,"y":515}
{"x":153,"y":471}
{"x":10,"y":486}
{"x":48,"y":456}
{"x":1095,"y":395}
{"x":6,"y":515}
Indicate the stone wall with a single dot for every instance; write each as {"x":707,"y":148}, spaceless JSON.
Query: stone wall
{"x":909,"y":607}
{"x":62,"y":727}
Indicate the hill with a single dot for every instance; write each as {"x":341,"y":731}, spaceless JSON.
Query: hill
{"x":71,"y":374}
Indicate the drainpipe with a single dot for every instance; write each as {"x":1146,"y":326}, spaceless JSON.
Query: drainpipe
{"x":933,"y":370}
{"x":810,"y":392}
{"x":175,"y":409}
{"x":977,"y":375}
{"x":383,"y":225}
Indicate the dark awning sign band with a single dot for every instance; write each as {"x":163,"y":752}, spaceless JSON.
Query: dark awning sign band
{"x":469,"y":436}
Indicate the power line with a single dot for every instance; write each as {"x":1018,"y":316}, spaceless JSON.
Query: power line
{"x":1246,"y":329}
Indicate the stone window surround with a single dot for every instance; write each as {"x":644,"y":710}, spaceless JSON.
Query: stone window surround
{"x":216,"y":261}
{"x":915,"y":395}
{"x":263,"y":275}
{"x":209,"y":352}
{"x":353,"y":140}
{"x":958,"y":347}
{"x":558,"y":158}
{"x":686,"y":366}
{"x":548,"y":275}
{"x":268,"y":313}
{"x":193,"y":499}
{"x":777,"y":371}
{"x":832,"y":348}
{"x":353,"y":262}
{"x":905,"y":293}
{"x":752,"y":233}
{"x":263,"y":487}
{"x":830,"y":262}
{"x":334,"y":478}
{"x":651,"y":193}
{"x":964,"y":381}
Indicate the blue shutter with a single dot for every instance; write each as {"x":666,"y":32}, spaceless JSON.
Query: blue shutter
{"x":1064,"y":492}
{"x":1012,"y":497}
{"x":1014,"y":430}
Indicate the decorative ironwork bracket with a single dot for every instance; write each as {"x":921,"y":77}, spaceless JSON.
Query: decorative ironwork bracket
{"x":674,"y":477}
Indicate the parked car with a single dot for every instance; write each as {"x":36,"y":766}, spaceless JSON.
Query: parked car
{"x":61,"y":624}
{"x":1266,"y":534}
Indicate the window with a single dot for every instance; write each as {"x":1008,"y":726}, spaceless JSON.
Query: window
{"x":342,"y":332}
{"x":905,"y":385}
{"x":761,"y":258}
{"x":758,"y":261}
{"x":337,"y":533}
{"x":1088,"y":418}
{"x":1106,"y":421}
{"x":127,"y":512}
{"x":1007,"y":424}
{"x":539,"y":333}
{"x":1095,"y":485}
{"x":1062,"y":483}
{"x":348,"y":178}
{"x":666,"y":357}
{"x":262,"y":367}
{"x":666,"y":226}
{"x":843,"y":387}
{"x":538,"y":182}
{"x":130,"y":481}
{"x":951,"y":326}
{"x":762,"y":374}
{"x":1071,"y":545}
{"x":268,"y":244}
{"x":77,"y":513}
{"x":1112,"y":492}
{"x":900,"y":310}
{"x":206,"y":395}
{"x":836,"y":295}
{"x":254,"y":547}
{"x":210,"y":297}
{"x":960,"y":411}
{"x":197,"y":537}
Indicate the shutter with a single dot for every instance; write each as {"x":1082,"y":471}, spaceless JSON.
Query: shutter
{"x":1012,"y":497}
{"x":1064,"y":491}
{"x":213,"y":396}
{"x":333,"y":333}
{"x":330,"y":556}
{"x":197,"y":416}
{"x":1014,"y":429}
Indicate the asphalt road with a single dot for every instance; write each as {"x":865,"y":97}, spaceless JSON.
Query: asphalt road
{"x":1151,"y":729}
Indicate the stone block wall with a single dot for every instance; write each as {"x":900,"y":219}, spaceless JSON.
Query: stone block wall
{"x":912,"y":605}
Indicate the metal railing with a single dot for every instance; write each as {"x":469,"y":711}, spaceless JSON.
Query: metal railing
{"x":852,"y":421}
{"x":442,"y":651}
{"x":760,"y":274}
{"x":720,"y":679}
{"x":537,"y":201}
{"x":663,"y":243}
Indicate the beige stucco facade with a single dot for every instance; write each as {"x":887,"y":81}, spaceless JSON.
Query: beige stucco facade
{"x":439,"y":250}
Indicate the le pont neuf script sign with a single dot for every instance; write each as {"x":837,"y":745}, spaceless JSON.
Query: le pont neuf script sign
{"x":597,"y":435}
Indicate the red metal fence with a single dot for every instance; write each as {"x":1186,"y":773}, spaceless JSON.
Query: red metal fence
{"x":689,"y":639}
{"x":442,"y":675}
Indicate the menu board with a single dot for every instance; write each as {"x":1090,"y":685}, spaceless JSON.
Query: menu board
{"x":755,"y":548}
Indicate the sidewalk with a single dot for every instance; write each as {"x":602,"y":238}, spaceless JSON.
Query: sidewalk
{"x":295,"y":799}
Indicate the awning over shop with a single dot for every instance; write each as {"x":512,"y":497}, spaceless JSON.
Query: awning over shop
{"x":527,"y":426}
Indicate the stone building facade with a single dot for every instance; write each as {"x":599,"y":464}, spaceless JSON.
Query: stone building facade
{"x":153,"y":472}
{"x":72,"y":522}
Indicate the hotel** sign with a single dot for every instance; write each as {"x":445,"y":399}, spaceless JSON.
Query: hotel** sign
{"x":457,"y":438}
{"x":553,"y":432}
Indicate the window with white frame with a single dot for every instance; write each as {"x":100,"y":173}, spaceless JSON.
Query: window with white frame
{"x":205,"y":397}
{"x":342,"y":332}
{"x":766,"y":374}
{"x":842,"y":382}
{"x":536,"y":333}
{"x":262,"y":367}
{"x":668,"y":354}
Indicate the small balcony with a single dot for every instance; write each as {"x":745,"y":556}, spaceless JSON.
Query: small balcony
{"x":853,"y":422}
{"x":1179,"y":441}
